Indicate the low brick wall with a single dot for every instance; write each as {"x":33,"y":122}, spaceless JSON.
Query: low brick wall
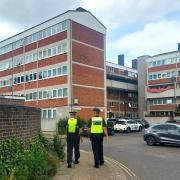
{"x":12,"y":101}
{"x":19,"y":121}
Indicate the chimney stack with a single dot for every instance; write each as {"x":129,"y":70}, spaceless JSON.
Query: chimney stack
{"x":121,"y":59}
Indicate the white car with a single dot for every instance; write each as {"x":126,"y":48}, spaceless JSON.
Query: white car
{"x":127,"y":125}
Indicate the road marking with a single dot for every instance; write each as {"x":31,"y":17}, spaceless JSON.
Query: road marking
{"x":119,"y":165}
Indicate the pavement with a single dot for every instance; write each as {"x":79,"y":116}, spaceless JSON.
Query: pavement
{"x":111,"y":170}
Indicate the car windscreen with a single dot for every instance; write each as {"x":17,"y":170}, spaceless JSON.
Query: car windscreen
{"x":121,"y":122}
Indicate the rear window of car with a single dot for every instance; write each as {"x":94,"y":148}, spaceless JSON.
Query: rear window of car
{"x":160,"y":127}
{"x":121,"y":122}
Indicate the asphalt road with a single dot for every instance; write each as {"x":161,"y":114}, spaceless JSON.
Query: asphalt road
{"x":147,"y":162}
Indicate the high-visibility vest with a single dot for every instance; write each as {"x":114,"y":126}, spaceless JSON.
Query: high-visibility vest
{"x":97,"y":125}
{"x":72,"y":125}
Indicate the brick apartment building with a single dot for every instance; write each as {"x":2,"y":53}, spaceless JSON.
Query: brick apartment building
{"x":58,"y":65}
{"x":159,"y":84}
{"x":122,"y":95}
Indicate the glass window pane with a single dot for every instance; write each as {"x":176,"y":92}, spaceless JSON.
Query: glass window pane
{"x":40,"y":75}
{"x":59,"y":71}
{"x":54,"y":113}
{"x":49,"y":52}
{"x":59,"y":49}
{"x":44,"y":94}
{"x":44,"y":114}
{"x":40,"y":55}
{"x":44,"y":74}
{"x":49,"y":73}
{"x":64,"y":69}
{"x":55,"y":93}
{"x":64,"y":25}
{"x":53,"y":51}
{"x":49,"y":113}
{"x":54,"y":72}
{"x":59,"y":92}
{"x":44,"y":53}
{"x":64,"y":92}
{"x":40,"y":94}
{"x":64,"y":47}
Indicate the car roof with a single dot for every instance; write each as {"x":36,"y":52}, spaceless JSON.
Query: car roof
{"x":166,"y":124}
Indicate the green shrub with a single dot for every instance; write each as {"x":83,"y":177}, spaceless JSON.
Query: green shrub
{"x":61,"y":126}
{"x":52,"y":163}
{"x":59,"y":147}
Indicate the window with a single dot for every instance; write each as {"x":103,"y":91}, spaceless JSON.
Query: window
{"x":59,"y":71}
{"x":64,"y":69}
{"x":40,"y":55}
{"x":44,"y":94}
{"x":150,"y":77}
{"x":44,"y":53}
{"x":64,"y":47}
{"x":49,"y":114}
{"x":172,"y":127}
{"x":59,"y":49}
{"x":49,"y":52}
{"x":22,"y":78}
{"x":44,"y":74}
{"x":64,"y":25}
{"x":59,"y":92}
{"x":30,"y":77}
{"x":54,"y":72}
{"x":54,"y":51}
{"x":164,"y":75}
{"x":35,"y":76}
{"x":40,"y":94}
{"x":34,"y":95}
{"x":159,"y":101}
{"x":44,"y":114}
{"x":34,"y":56}
{"x":54,"y":93}
{"x":49,"y":73}
{"x":65,"y":92}
{"x":155,"y":76}
{"x":40,"y":75}
{"x":159,"y":76}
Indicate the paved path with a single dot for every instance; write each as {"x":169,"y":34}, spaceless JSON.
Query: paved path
{"x":111,"y":170}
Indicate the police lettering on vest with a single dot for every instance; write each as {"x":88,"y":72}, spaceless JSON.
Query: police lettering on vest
{"x":97,"y":125}
{"x":72,"y":125}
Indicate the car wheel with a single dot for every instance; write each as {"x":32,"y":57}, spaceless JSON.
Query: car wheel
{"x":150,"y":141}
{"x":140,"y":128}
{"x":128,"y":130}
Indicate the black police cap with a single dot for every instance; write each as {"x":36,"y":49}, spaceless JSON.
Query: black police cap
{"x":96,"y":110}
{"x":72,"y":112}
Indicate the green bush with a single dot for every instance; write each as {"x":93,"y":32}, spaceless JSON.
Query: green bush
{"x":61,"y":126}
{"x":52,"y":163}
{"x":23,"y":160}
{"x":59,"y":147}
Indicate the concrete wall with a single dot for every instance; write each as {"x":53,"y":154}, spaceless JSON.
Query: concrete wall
{"x":142,"y":79}
{"x":19,"y":121}
{"x":156,"y":120}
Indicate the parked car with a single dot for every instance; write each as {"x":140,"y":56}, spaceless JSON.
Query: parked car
{"x":176,"y":121}
{"x":113,"y":120}
{"x":143,"y":122}
{"x":162,"y":133}
{"x":127,"y":125}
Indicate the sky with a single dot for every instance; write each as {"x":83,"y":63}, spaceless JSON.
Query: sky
{"x":134,"y":27}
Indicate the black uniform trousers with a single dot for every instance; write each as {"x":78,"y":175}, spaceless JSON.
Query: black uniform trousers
{"x":73,"y":142}
{"x":97,"y":147}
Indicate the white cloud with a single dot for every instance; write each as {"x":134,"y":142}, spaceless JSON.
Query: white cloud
{"x":115,"y":13}
{"x":155,"y":38}
{"x":6,"y":30}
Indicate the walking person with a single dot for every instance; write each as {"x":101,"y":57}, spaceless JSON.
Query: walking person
{"x":74,"y":130}
{"x":97,"y":129}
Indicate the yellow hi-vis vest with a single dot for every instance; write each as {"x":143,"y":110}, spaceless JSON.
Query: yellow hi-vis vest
{"x":97,"y":125}
{"x":72,"y":125}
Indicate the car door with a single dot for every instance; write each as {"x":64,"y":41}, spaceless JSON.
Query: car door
{"x":136,"y":125}
{"x":161,"y":131}
{"x":174,"y":133}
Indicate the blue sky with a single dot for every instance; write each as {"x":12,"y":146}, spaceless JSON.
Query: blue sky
{"x":134,"y":27}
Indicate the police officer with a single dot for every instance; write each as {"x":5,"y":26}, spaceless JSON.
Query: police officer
{"x":73,"y":139}
{"x":97,"y":129}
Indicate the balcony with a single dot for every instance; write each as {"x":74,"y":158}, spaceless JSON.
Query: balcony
{"x":121,"y":85}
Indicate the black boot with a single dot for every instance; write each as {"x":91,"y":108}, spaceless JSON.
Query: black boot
{"x":69,"y":166}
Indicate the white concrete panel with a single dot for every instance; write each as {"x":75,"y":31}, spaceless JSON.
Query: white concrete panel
{"x":121,"y":85}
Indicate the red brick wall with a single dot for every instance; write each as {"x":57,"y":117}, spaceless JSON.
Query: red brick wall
{"x":19,"y":121}
{"x":87,"y":35}
{"x":88,"y":96}
{"x":88,"y":76}
{"x":48,"y":103}
{"x":87,"y":113}
{"x":87,"y":55}
{"x":163,"y":107}
{"x":161,"y":68}
{"x":160,"y":81}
